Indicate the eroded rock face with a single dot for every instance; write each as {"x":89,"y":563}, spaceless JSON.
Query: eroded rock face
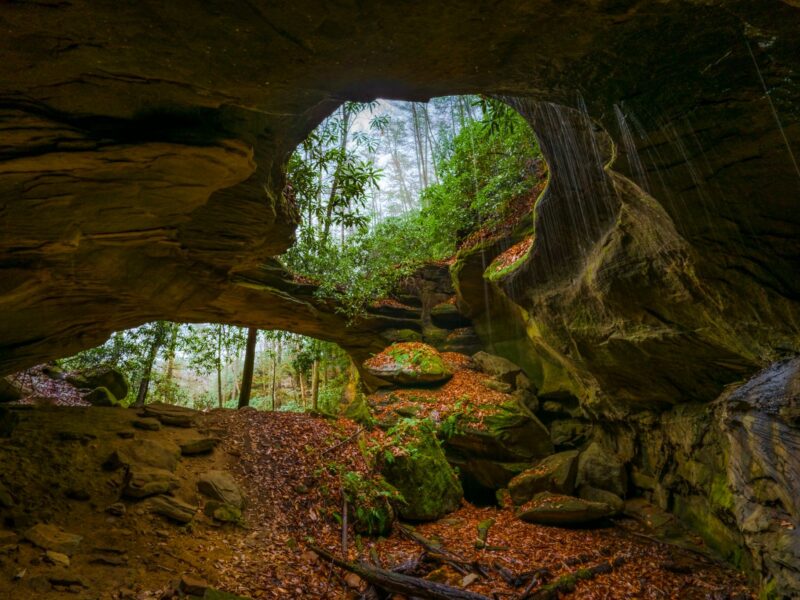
{"x":141,"y":171}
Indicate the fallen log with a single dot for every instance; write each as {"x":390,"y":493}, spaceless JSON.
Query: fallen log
{"x":398,"y":583}
{"x":566,"y":583}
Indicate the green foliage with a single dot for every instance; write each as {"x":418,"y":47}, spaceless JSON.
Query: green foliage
{"x":489,"y":162}
{"x":371,"y":498}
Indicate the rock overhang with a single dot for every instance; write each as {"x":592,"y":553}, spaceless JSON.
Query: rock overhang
{"x":143,"y":169}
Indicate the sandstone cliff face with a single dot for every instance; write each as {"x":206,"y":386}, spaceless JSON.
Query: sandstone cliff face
{"x":141,"y":173}
{"x":142,"y":148}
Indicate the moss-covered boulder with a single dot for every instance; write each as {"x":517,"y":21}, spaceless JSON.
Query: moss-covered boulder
{"x":409,"y":364}
{"x":419,"y":470}
{"x":557,"y":509}
{"x":555,"y":473}
{"x":504,"y":432}
{"x":101,"y":377}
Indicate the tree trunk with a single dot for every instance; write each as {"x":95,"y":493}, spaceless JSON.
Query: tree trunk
{"x":141,"y":396}
{"x":326,"y":226}
{"x":219,"y":366}
{"x":249,"y":363}
{"x":422,"y":167}
{"x":314,"y":384}
{"x":302,"y":377}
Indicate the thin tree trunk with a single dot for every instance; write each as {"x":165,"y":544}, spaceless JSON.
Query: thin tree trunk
{"x":249,"y":363}
{"x":335,"y":185}
{"x":158,"y":341}
{"x":302,"y":378}
{"x":419,"y":148}
{"x":141,"y":396}
{"x":219,"y":366}
{"x":314,"y":384}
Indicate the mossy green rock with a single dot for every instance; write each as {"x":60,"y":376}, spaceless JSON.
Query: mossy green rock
{"x":101,"y":396}
{"x":409,"y":364}
{"x":101,"y":377}
{"x":358,"y":411}
{"x":555,"y":473}
{"x":510,"y":434}
{"x":421,"y":473}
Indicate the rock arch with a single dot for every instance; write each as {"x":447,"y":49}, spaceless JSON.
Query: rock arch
{"x":142,"y":150}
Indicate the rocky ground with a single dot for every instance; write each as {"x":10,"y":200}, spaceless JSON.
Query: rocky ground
{"x":107,"y":503}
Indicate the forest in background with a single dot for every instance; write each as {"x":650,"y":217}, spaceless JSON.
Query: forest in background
{"x":381,"y":187}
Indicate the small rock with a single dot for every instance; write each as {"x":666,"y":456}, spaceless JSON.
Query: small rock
{"x":224,"y":513}
{"x":147,"y":423}
{"x":7,"y":537}
{"x":66,"y":581}
{"x":220,"y":486}
{"x":172,"y":508}
{"x":469,"y":580}
{"x":141,"y":482}
{"x":200,"y":445}
{"x":117,"y":509}
{"x":57,"y":558}
{"x":126,"y":434}
{"x":497,"y":386}
{"x":84,"y":437}
{"x":497,"y":366}
{"x":50,"y":537}
{"x":109,"y":561}
{"x":192,"y":585}
{"x":77,"y":494}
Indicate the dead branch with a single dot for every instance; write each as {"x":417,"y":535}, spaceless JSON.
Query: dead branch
{"x":398,"y":583}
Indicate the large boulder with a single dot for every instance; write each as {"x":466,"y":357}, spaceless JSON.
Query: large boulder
{"x":409,"y":363}
{"x":222,"y":487}
{"x":161,"y":454}
{"x":101,"y":377}
{"x":9,"y":391}
{"x":601,"y":468}
{"x":420,"y":472}
{"x":557,"y":509}
{"x":497,"y":366}
{"x":555,"y":473}
{"x":505,"y":433}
